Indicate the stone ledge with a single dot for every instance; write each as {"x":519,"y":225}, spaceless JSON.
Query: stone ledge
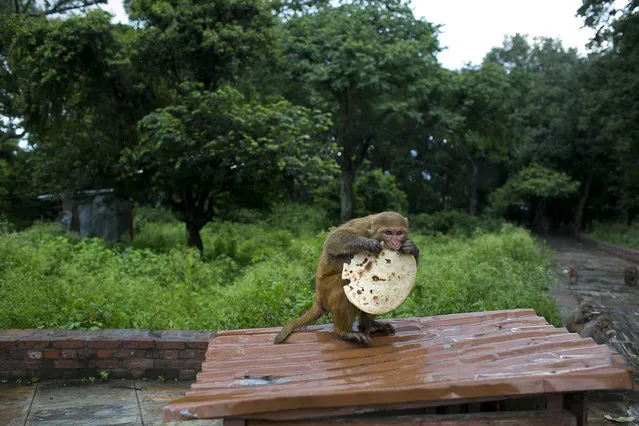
{"x":626,"y":253}
{"x":131,"y":354}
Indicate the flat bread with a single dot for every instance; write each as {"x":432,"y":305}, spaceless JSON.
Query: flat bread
{"x":379,"y":284}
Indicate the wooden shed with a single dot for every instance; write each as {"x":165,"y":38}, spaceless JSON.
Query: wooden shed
{"x":485,"y":368}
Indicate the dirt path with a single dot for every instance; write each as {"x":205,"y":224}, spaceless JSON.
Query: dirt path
{"x":600,"y":281}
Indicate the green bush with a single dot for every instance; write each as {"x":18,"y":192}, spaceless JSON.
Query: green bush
{"x":373,"y":192}
{"x":453,"y":222}
{"x":617,"y":233}
{"x":252,"y":275}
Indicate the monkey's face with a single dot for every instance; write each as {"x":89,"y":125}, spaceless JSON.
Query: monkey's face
{"x":392,"y":237}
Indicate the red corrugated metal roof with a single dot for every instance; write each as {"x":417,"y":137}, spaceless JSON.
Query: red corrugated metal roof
{"x":440,"y":358}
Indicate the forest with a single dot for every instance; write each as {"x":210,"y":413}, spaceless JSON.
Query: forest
{"x":234,"y":120}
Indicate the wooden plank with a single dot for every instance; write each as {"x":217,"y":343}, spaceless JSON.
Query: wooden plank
{"x":512,"y":418}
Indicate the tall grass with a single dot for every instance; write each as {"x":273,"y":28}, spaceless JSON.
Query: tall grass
{"x":252,"y":275}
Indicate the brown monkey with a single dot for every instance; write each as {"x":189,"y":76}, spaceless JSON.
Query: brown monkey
{"x":630,"y":275}
{"x":361,"y":234}
{"x":572,"y":275}
{"x":600,"y":330}
{"x":576,"y":319}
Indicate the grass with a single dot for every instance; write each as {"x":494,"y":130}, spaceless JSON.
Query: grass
{"x":252,"y":275}
{"x":617,"y":233}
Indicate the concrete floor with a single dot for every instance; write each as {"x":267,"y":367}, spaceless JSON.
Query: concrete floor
{"x":125,"y":402}
{"x":137,"y":402}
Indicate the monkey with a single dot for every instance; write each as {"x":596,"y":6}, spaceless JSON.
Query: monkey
{"x":360,"y":234}
{"x":631,"y":275}
{"x":600,"y":330}
{"x":572,"y":275}
{"x":576,"y":319}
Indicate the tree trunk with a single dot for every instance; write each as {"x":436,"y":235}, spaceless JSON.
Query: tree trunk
{"x":193,"y":238}
{"x":579,"y":214}
{"x":472,"y":209}
{"x":346,"y":194}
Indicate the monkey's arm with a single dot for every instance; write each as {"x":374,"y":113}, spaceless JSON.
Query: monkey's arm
{"x":409,"y":247}
{"x":346,"y":241}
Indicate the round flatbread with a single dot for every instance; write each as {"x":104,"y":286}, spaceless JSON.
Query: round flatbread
{"x":379,"y":284}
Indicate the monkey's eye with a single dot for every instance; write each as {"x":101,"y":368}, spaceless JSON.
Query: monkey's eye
{"x":388,"y":232}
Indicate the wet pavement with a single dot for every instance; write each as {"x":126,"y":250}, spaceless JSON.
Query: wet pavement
{"x":125,"y":402}
{"x":139,"y":402}
{"x":600,"y":282}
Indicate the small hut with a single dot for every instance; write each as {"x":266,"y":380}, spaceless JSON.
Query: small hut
{"x":96,"y":213}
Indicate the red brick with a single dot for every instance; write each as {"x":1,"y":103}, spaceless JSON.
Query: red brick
{"x":34,"y":354}
{"x":139,"y":363}
{"x":137,"y":373}
{"x":193,"y":363}
{"x":170,"y":363}
{"x":103,"y":363}
{"x":86,"y":353}
{"x":130,"y":353}
{"x":8,"y":344}
{"x":51,"y":354}
{"x":168,"y":344}
{"x":137,"y":344}
{"x":168,"y":354}
{"x":68,"y":344}
{"x":152,"y":354}
{"x":33,"y":344}
{"x":68,"y":353}
{"x":202,"y":344}
{"x":187,"y":354}
{"x":187,"y":374}
{"x":105,"y":353}
{"x":103,"y":344}
{"x":68,"y":363}
{"x":17,"y":354}
{"x":16,"y":332}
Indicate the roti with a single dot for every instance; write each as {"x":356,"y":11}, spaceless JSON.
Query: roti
{"x":379,"y":284}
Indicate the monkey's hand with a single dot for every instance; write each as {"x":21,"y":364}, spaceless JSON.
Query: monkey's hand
{"x":370,"y":244}
{"x":409,"y":247}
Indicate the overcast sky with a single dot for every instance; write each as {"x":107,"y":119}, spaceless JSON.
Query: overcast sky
{"x":472,"y":27}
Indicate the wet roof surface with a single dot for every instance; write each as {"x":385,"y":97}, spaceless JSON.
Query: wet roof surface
{"x":473,"y":355}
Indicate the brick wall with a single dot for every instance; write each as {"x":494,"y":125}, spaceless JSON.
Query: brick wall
{"x":626,"y":253}
{"x":66,"y":354}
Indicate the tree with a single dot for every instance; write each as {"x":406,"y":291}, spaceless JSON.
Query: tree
{"x":366,"y":62}
{"x":530,"y":189}
{"x":481,"y":136}
{"x":218,"y":149}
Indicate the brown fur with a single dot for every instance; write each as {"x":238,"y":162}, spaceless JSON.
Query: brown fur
{"x":600,"y":330}
{"x":356,"y":235}
{"x":576,"y":319}
{"x":630,"y":275}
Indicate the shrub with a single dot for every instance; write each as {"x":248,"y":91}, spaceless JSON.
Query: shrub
{"x":253,"y":275}
{"x":617,"y":233}
{"x":453,"y":222}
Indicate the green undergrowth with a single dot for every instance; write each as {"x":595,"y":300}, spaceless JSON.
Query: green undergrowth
{"x":252,"y":275}
{"x":617,"y":233}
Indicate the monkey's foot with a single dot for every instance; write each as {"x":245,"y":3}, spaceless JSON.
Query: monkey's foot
{"x":356,"y":337}
{"x":371,"y":327}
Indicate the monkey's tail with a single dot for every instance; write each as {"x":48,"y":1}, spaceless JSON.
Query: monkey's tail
{"x":307,"y":318}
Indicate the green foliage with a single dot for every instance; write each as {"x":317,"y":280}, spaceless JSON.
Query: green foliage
{"x":531,"y":184}
{"x":616,"y":233}
{"x":373,"y":190}
{"x":216,"y":150}
{"x":254,"y":275}
{"x":505,"y":270}
{"x":454,"y":222}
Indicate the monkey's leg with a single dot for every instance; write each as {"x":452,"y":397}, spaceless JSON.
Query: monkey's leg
{"x":344,"y":315}
{"x":368,"y":325}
